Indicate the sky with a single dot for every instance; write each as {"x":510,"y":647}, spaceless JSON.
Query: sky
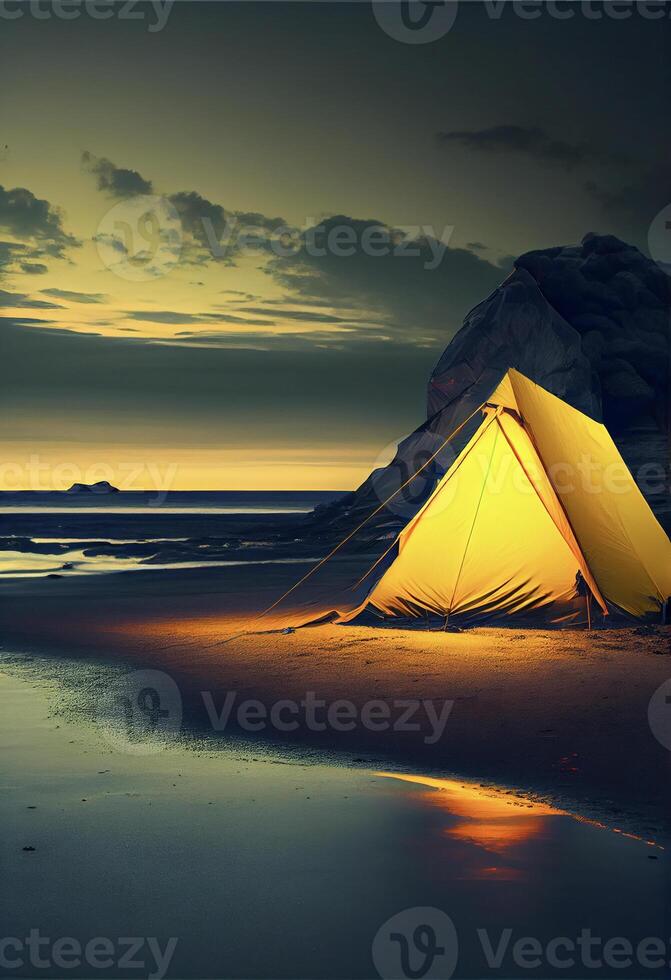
{"x":236,"y":237}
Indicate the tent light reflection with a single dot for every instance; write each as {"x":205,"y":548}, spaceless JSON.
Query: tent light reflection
{"x":493,"y":819}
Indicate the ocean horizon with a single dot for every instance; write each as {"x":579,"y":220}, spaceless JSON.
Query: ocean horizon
{"x":168,"y":501}
{"x":58,"y":533}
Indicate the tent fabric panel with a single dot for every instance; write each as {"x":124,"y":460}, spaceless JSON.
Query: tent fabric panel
{"x":528,"y":458}
{"x":516,"y":559}
{"x":442,"y":484}
{"x":504,"y":394}
{"x":625,"y":547}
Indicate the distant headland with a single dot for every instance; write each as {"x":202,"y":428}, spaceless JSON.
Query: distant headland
{"x":101,"y":487}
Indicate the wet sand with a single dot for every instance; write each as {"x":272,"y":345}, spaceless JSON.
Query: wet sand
{"x":256,"y":866}
{"x":558,"y":714}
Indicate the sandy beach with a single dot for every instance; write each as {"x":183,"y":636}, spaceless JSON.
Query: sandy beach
{"x":560,"y":715}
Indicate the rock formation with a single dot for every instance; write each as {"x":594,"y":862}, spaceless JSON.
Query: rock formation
{"x":591,"y":323}
{"x":102,"y":486}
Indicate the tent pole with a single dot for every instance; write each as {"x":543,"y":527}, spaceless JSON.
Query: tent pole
{"x":589,"y":610}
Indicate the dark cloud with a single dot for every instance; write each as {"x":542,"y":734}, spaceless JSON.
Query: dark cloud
{"x":232,"y":318}
{"x":304,"y":315}
{"x":248,"y":297}
{"x":127,"y":388}
{"x":291,"y":300}
{"x":164,"y":316}
{"x":33,"y":268}
{"x":531,"y":141}
{"x":176,"y":318}
{"x":421,"y":290}
{"x":75,"y":297}
{"x":39,"y":328}
{"x":35,"y":220}
{"x":111,"y":241}
{"x":23,"y":301}
{"x":213,"y":232}
{"x":263,"y":340}
{"x":645,"y":195}
{"x":205,"y":226}
{"x":11,"y":252}
{"x":116,"y":181}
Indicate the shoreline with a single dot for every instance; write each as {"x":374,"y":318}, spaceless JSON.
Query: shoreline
{"x":560,"y":715}
{"x":54,"y":682}
{"x":171,"y":844}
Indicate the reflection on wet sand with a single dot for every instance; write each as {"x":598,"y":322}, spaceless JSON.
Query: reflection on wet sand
{"x":181,"y":837}
{"x":494,"y":820}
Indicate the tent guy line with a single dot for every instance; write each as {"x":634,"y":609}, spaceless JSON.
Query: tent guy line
{"x":377,"y":510}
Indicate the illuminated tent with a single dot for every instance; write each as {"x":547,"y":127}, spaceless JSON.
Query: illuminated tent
{"x":537,"y":519}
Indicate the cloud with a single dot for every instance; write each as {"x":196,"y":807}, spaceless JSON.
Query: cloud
{"x":33,"y":268}
{"x":127,"y":389}
{"x":531,"y":141}
{"x":176,"y":318}
{"x":111,"y":241}
{"x":419,"y":298}
{"x":164,"y":316}
{"x":303,"y":315}
{"x":644,"y":195}
{"x":291,"y":300}
{"x":248,"y":297}
{"x":116,"y":181}
{"x":75,"y":297}
{"x":259,"y":340}
{"x":22,"y":301}
{"x":34,"y":220}
{"x":42,"y":328}
{"x":418,"y":291}
{"x":232,"y":318}
{"x":12,"y":252}
{"x":212,"y":233}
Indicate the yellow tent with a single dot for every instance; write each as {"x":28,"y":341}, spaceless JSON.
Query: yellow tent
{"x":537,"y":517}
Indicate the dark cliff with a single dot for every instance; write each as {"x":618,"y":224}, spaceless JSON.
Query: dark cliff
{"x":590,"y":323}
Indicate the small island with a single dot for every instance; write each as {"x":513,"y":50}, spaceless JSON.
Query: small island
{"x":101,"y":487}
